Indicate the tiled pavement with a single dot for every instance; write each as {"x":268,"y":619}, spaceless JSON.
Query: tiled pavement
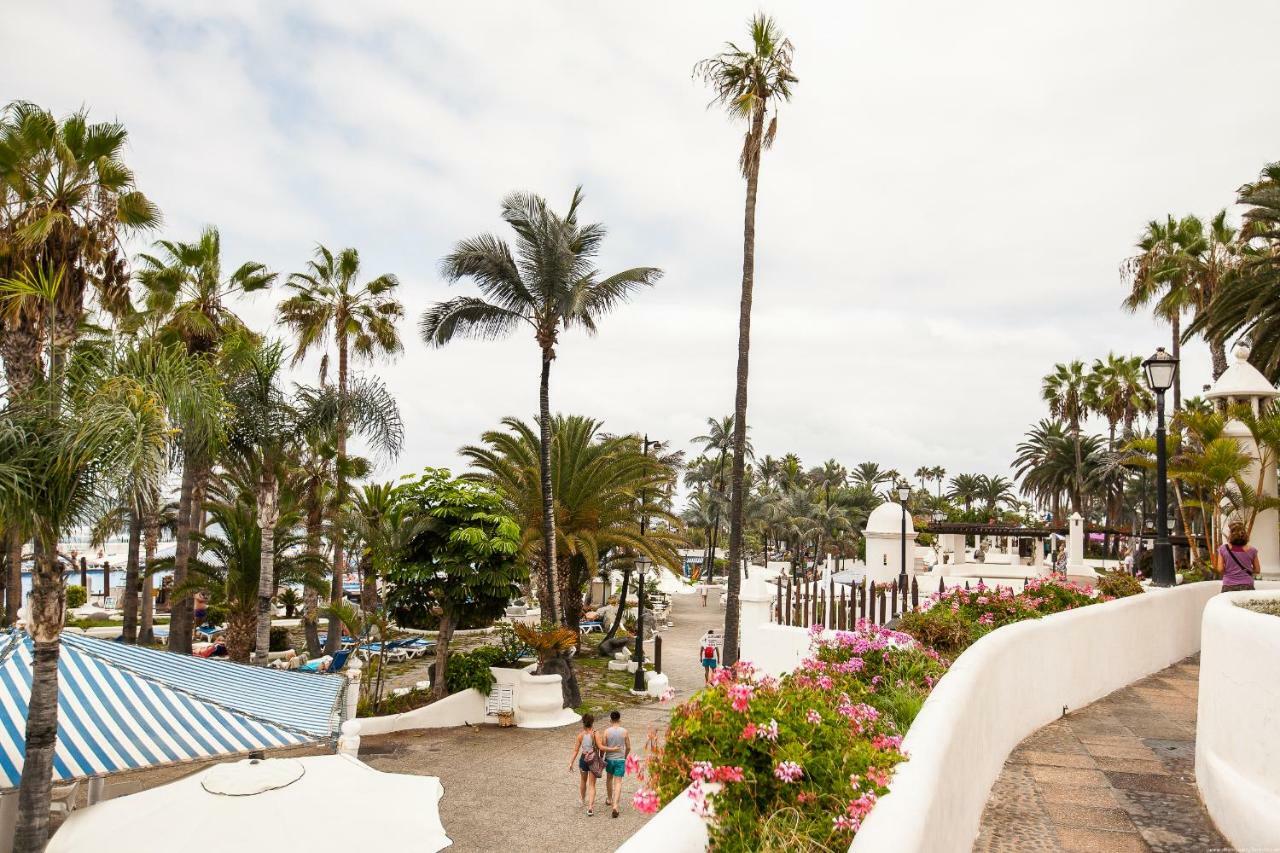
{"x":1118,"y":775}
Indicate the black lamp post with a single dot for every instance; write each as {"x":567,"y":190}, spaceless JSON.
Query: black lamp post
{"x":1161,"y":369}
{"x":642,"y":563}
{"x":904,"y":495}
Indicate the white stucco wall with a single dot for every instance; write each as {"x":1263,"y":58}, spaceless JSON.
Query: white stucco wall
{"x":1006,"y":686}
{"x":454,"y":710}
{"x":1238,"y":721}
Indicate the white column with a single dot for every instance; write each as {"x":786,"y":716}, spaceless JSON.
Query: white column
{"x":353,"y":685}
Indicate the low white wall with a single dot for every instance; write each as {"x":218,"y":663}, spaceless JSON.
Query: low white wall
{"x":1238,"y":721}
{"x":774,"y":649}
{"x":1003,"y":688}
{"x":466,"y":707}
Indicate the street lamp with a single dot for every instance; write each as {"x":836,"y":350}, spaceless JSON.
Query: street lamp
{"x":1161,"y":369}
{"x":904,"y":495}
{"x":642,"y":564}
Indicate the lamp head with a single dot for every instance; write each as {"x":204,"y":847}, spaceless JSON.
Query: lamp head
{"x":1161,"y":368}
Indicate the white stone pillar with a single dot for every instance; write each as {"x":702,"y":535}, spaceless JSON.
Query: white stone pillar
{"x":353,"y":685}
{"x":1075,"y":549}
{"x":349,"y":740}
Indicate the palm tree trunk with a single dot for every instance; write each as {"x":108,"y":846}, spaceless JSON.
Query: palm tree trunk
{"x":622,"y":597}
{"x":268,"y":512}
{"x":548,"y":499}
{"x":1076,"y":494}
{"x":180,"y":616}
{"x":1218,"y":352}
{"x":48,"y":599}
{"x":736,"y":503}
{"x":340,"y":496}
{"x":439,"y":681}
{"x":1175,"y":322}
{"x":132,"y":580}
{"x":13,"y":556}
{"x":310,"y":595}
{"x":146,"y":634}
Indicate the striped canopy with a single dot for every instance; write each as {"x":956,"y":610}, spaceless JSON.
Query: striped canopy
{"x":123,"y":707}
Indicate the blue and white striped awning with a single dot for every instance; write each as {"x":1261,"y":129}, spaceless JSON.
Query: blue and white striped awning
{"x":123,"y":707}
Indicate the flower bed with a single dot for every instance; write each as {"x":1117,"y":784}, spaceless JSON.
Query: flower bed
{"x":797,"y":762}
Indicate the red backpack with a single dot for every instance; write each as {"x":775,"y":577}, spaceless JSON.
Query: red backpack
{"x":708,"y":652}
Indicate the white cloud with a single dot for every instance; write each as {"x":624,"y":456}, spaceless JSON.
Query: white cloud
{"x":942,"y":218}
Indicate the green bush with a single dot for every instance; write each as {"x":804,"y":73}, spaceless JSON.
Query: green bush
{"x":1118,"y":585}
{"x":392,"y":704}
{"x":76,"y":596}
{"x":511,"y":646}
{"x":280,"y":639}
{"x":1199,"y":573}
{"x":468,"y":670}
{"x":939,"y":628}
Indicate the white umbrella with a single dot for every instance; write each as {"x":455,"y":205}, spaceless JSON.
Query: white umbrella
{"x":329,"y":802}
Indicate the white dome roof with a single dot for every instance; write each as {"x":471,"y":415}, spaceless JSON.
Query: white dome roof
{"x":1242,"y":380}
{"x":887,"y":518}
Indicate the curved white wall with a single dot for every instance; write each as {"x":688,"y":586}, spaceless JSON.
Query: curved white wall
{"x":1006,"y":686}
{"x":1238,"y":721}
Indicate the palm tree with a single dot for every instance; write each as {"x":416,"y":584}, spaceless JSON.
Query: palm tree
{"x":328,"y":300}
{"x":767,"y":469}
{"x":790,"y":473}
{"x":937,"y":473}
{"x":550,"y":282}
{"x":67,"y":200}
{"x":1064,"y":390}
{"x":82,"y":435}
{"x":186,"y":296}
{"x":994,"y":491}
{"x":375,"y":520}
{"x":922,"y":474}
{"x":1248,"y":301}
{"x":832,"y":475}
{"x":604,"y":485}
{"x":1116,"y":389}
{"x":750,"y":84}
{"x":719,"y":440}
{"x":871,"y":474}
{"x":964,"y":488}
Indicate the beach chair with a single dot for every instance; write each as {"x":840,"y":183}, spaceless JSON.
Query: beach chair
{"x":590,"y":627}
{"x":372,"y":650}
{"x":336,"y":663}
{"x":62,"y":798}
{"x":407,"y":646}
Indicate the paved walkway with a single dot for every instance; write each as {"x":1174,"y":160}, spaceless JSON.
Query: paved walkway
{"x":512,"y":789}
{"x":1118,"y":775}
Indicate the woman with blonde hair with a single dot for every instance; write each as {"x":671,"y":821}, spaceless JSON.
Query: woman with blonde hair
{"x":1237,"y":560}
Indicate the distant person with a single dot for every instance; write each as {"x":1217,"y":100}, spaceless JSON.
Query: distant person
{"x":616,"y":744}
{"x":704,"y":590}
{"x":1237,"y":560}
{"x":590,"y":763}
{"x":710,"y":654}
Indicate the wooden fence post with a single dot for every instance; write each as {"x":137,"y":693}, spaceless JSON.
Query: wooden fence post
{"x":657,"y":653}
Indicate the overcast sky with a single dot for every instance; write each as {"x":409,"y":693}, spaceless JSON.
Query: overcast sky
{"x":942,"y":218}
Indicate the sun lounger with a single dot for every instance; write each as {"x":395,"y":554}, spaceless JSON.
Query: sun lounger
{"x":372,"y":650}
{"x":590,"y":627}
{"x":327,"y":663}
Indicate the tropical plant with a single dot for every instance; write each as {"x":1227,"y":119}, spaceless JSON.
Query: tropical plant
{"x":328,"y":300}
{"x":550,"y":282}
{"x":185,"y":295}
{"x":1248,"y":301}
{"x":1064,"y":390}
{"x":461,"y":561}
{"x":965,"y":488}
{"x":750,"y":83}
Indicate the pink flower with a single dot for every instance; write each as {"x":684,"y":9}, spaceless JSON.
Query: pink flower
{"x":842,"y":822}
{"x":824,"y":681}
{"x":816,"y":630}
{"x":698,"y":799}
{"x":986,"y":619}
{"x":769,"y":732}
{"x":728,"y":774}
{"x":886,"y":742}
{"x":858,"y":808}
{"x":633,"y":764}
{"x":878,"y":777}
{"x":813,"y":717}
{"x":645,"y":801}
{"x":788,"y":771}
{"x":749,"y":731}
{"x":701,"y":770}
{"x":741,"y":694}
{"x":667,"y":695}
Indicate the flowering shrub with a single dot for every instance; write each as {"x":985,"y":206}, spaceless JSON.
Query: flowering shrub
{"x":798,"y":762}
{"x":803,"y":757}
{"x":1119,"y":584}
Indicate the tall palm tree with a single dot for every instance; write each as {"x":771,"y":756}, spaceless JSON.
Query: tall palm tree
{"x":186,"y":296}
{"x":922,"y":473}
{"x":549,"y":282}
{"x":718,"y":440}
{"x":1116,"y":389}
{"x":870,"y":474}
{"x":767,"y":470}
{"x":937,"y":473}
{"x":328,"y":300}
{"x":67,"y":200}
{"x":750,"y":84}
{"x":1064,"y":390}
{"x":1248,"y":302}
{"x":83,"y":435}
{"x":994,"y":491}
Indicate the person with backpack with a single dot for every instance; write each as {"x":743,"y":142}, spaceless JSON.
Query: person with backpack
{"x":1237,"y":560}
{"x":590,"y":762}
{"x":710,"y":657}
{"x":616,"y":744}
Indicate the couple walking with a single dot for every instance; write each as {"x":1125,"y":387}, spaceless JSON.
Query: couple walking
{"x":601,"y":753}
